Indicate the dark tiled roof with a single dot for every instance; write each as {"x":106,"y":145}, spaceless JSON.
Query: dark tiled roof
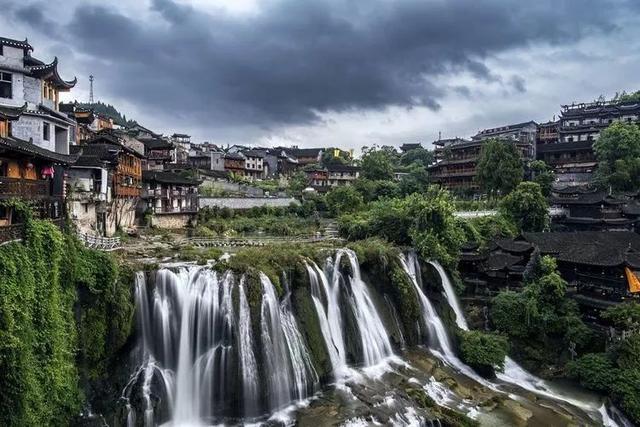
{"x":234,"y":156}
{"x":500,"y":261}
{"x":410,"y":146}
{"x":514,"y":246}
{"x":96,"y":155}
{"x":596,"y":197}
{"x":601,"y":248}
{"x":342,"y":168}
{"x":50,"y":71}
{"x":254,"y":153}
{"x":156,"y":143}
{"x":304,"y":152}
{"x":166,"y":177}
{"x":181,"y":135}
{"x":30,"y":149}
{"x":12,"y":113}
{"x":21,"y":44}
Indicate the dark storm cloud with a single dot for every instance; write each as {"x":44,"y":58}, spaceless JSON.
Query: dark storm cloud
{"x":292,"y":59}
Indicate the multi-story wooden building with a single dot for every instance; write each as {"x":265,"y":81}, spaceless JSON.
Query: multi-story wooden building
{"x":28,"y":173}
{"x":318,"y":178}
{"x":106,"y":185}
{"x":455,"y":163}
{"x":169,"y":199}
{"x":234,"y":163}
{"x":158,"y":152}
{"x":523,"y":135}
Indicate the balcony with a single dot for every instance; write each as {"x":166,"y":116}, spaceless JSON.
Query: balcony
{"x":24,"y":188}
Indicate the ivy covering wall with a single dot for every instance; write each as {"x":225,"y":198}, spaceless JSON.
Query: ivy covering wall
{"x":63,"y":311}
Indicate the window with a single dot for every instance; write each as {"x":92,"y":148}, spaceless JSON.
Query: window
{"x":45,"y":131}
{"x":1,"y":50}
{"x":6,"y":85}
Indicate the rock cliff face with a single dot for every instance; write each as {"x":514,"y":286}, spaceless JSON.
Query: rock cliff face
{"x":331,"y":335}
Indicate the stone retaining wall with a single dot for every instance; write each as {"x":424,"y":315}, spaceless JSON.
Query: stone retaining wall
{"x":239,"y":203}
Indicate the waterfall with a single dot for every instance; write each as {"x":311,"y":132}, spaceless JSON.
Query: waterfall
{"x":514,"y":373}
{"x":326,"y":292}
{"x":248,"y":362}
{"x":439,"y":342}
{"x":290,"y":372}
{"x":375,"y":341}
{"x":330,"y":319}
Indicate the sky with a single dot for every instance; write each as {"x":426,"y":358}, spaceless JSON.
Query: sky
{"x":344,"y":73}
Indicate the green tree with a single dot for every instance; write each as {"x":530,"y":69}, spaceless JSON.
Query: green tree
{"x":344,"y":199}
{"x":623,"y":315}
{"x":483,"y":351}
{"x":618,"y":153}
{"x":500,"y":167}
{"x":378,"y":163}
{"x":542,"y":175}
{"x":329,"y":157}
{"x":416,"y":181}
{"x":418,"y":156}
{"x":527,"y":207}
{"x":297,"y":183}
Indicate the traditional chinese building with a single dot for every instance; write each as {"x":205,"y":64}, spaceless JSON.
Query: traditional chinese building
{"x":410,"y":146}
{"x":601,"y":268}
{"x":589,"y":209}
{"x":318,"y":178}
{"x":455,"y":163}
{"x":107,"y":184}
{"x":30,"y":174}
{"x":169,"y":199}
{"x":342,"y":174}
{"x":234,"y":163}
{"x":523,"y":135}
{"x":157,"y":151}
{"x":27,"y":81}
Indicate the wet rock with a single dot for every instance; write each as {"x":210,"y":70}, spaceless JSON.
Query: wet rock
{"x":521,"y":413}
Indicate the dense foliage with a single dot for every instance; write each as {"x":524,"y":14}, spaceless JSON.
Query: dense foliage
{"x":378,"y":164}
{"x":483,"y":351}
{"x":618,"y":153}
{"x":294,"y":220}
{"x":527,"y":207}
{"x":423,"y":221}
{"x":541,"y":323}
{"x":343,"y":199}
{"x":542,"y":175}
{"x":500,"y":167}
{"x":616,"y":372}
{"x":59,"y":304}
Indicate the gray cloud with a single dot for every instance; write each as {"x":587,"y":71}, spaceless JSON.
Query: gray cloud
{"x":292,"y":60}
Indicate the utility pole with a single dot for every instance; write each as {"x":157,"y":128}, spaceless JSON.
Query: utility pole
{"x":91,"y":89}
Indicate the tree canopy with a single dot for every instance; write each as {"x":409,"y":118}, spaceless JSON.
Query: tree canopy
{"x":379,"y":163}
{"x":618,"y":153}
{"x":500,"y":167}
{"x":418,"y":156}
{"x":542,"y":175}
{"x":343,"y":199}
{"x":527,"y":207}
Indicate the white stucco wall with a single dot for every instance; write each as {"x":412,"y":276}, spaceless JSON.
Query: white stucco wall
{"x":240,"y":203}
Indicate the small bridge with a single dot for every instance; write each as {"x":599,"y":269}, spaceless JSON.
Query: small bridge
{"x":100,"y":243}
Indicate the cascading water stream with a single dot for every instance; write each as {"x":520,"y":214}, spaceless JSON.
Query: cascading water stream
{"x":200,"y":345}
{"x":327,"y":287}
{"x":514,"y":373}
{"x":439,"y":342}
{"x":375,"y":341}
{"x":248,"y":364}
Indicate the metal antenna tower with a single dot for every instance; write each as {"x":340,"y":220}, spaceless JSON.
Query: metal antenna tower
{"x":91,"y":89}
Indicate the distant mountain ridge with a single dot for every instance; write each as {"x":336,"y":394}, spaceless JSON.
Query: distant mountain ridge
{"x":109,"y":111}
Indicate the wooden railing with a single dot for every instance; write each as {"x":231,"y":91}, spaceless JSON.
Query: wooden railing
{"x":99,"y":242}
{"x":26,"y":188}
